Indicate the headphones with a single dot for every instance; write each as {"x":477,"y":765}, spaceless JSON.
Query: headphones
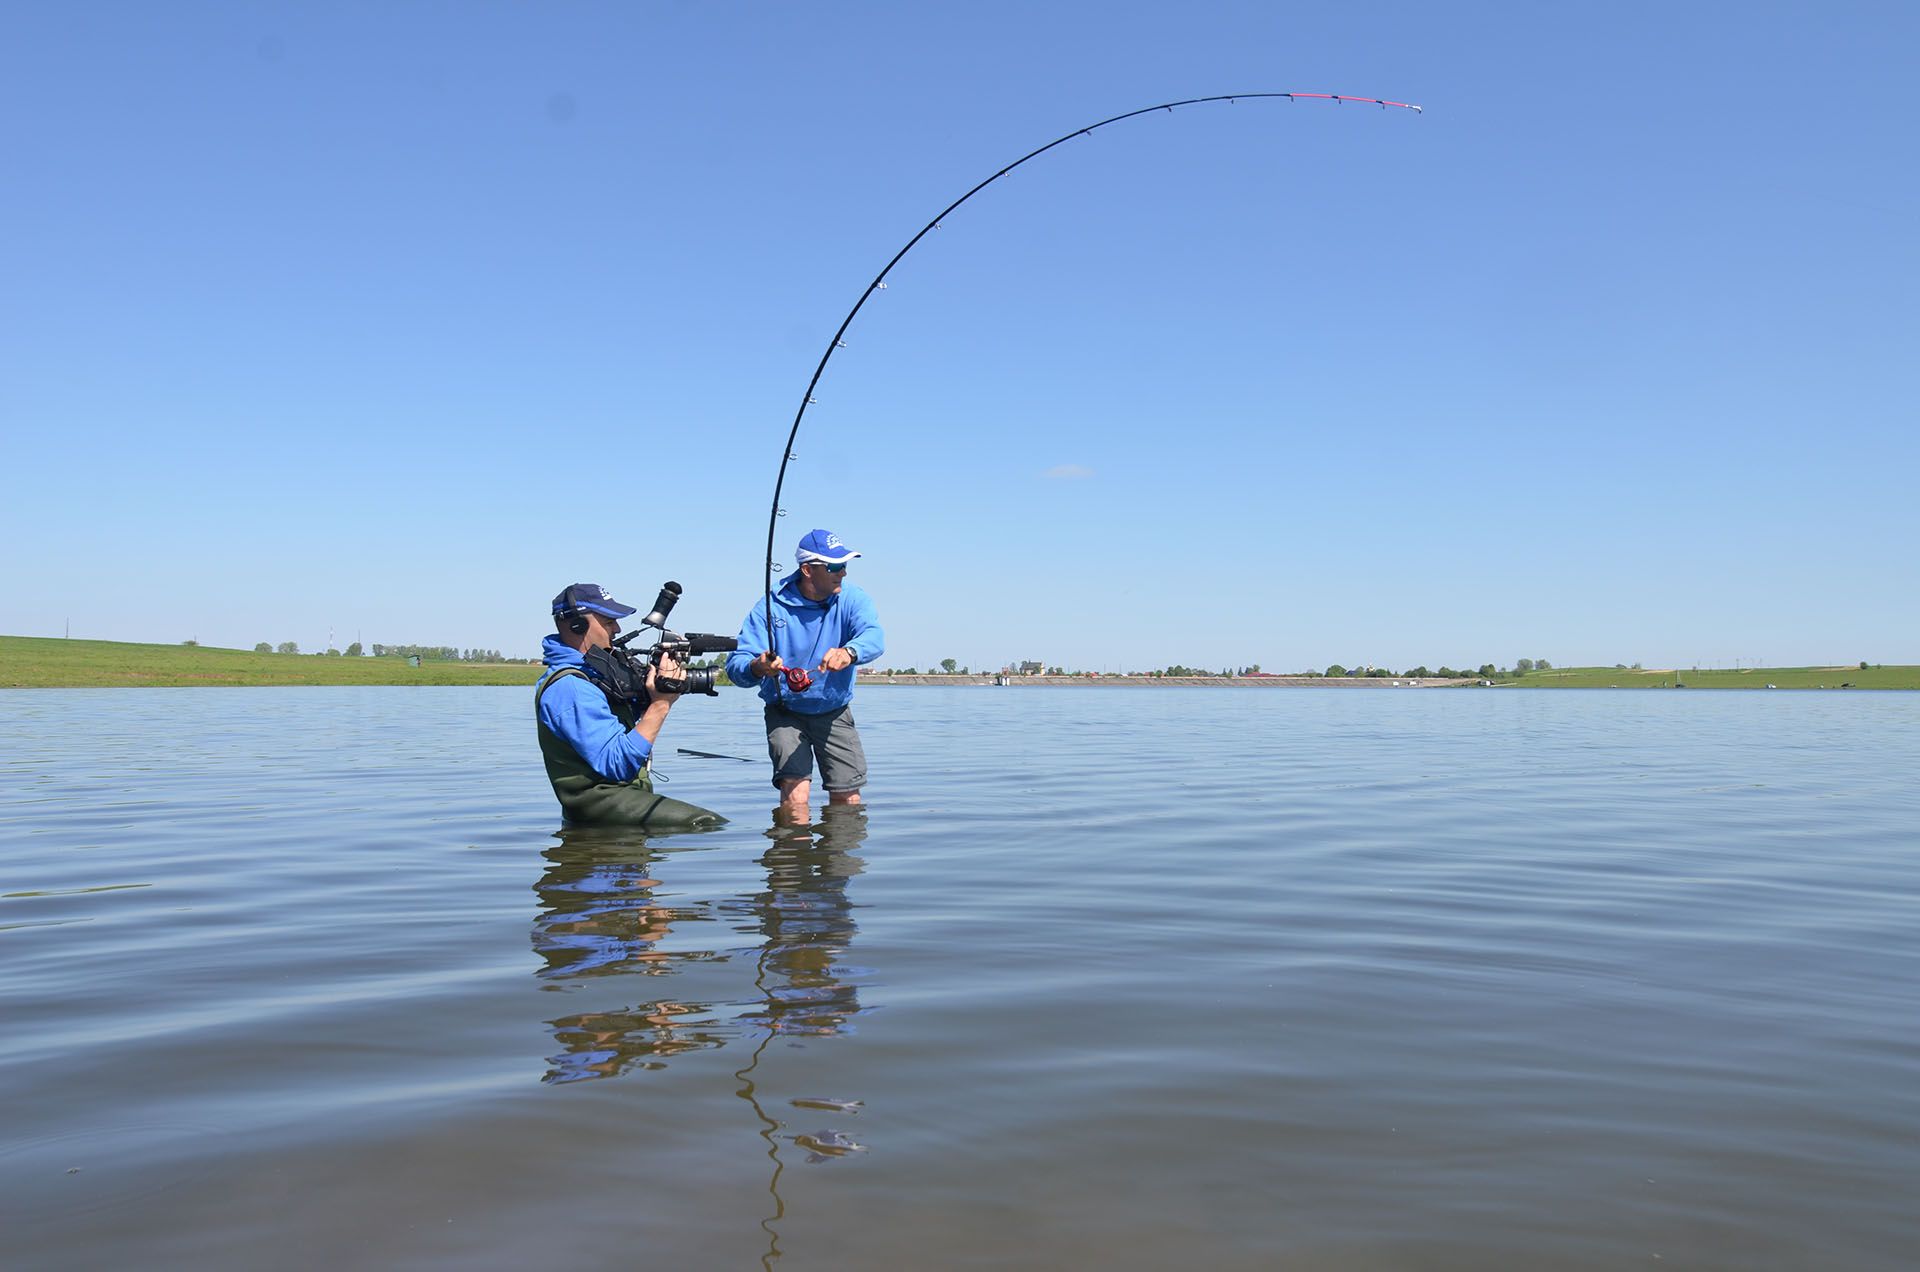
{"x":575,"y":617}
{"x":572,"y":614}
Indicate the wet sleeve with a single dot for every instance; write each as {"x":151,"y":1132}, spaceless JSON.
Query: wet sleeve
{"x":752,"y":642}
{"x":865,"y":641}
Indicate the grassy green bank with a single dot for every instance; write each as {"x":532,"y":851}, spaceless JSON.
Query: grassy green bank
{"x":1852,"y":676}
{"x":31,"y":662}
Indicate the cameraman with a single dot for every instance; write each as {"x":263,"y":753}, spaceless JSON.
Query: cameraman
{"x":823,"y":628}
{"x":596,"y":747}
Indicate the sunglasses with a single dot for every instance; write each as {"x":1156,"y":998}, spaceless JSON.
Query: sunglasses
{"x":831,"y":569}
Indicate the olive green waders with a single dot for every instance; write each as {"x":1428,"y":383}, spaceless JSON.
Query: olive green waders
{"x":587,"y":799}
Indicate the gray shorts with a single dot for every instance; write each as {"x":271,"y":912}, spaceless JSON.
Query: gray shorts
{"x":793,"y":740}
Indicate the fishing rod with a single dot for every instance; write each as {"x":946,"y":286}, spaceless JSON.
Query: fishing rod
{"x":879,"y":282}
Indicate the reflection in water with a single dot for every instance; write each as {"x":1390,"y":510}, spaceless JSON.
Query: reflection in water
{"x":804,"y":989}
{"x":600,"y":917}
{"x":808,"y":922}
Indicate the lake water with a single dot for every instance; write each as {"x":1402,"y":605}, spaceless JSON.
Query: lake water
{"x":1318,"y":978}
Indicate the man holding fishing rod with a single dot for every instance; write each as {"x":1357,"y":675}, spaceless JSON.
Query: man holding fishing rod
{"x":823,"y":628}
{"x":599,"y":714}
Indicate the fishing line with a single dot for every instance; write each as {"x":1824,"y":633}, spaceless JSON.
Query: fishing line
{"x":714,"y":755}
{"x":879,"y":282}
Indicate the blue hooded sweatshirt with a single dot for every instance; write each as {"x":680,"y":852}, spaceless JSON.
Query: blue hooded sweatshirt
{"x":804,"y":631}
{"x":575,"y":709}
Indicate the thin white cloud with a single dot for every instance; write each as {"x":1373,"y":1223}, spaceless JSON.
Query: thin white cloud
{"x":1067,"y":472}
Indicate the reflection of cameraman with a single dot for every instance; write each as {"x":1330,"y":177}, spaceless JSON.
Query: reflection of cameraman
{"x":596,"y":743}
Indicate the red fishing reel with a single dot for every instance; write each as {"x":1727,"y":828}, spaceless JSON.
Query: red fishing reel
{"x":799,"y":679}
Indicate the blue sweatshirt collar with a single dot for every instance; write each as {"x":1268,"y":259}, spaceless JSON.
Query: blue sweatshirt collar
{"x":555,"y":653}
{"x":790,"y":595}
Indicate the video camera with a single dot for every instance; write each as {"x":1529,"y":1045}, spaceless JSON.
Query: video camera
{"x":623,"y":672}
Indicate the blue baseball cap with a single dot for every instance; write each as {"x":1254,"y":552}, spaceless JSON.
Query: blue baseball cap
{"x":591,"y":596}
{"x":823,"y":545}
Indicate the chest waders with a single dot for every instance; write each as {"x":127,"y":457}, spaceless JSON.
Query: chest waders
{"x":587,"y":799}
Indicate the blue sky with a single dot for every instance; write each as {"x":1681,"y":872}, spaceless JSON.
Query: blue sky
{"x":392,"y":319}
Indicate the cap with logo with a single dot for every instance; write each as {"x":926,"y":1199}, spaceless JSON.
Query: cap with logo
{"x":590,"y":596}
{"x":821,"y":545}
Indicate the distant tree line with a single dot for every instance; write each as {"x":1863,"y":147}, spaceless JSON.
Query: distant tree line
{"x":435,"y":653}
{"x":439,"y":653}
{"x":1486,"y":671}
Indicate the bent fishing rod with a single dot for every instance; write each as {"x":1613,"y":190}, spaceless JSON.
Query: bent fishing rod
{"x":879,"y":282}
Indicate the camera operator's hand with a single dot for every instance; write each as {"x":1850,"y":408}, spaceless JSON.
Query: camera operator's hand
{"x":767,"y":664}
{"x":664,"y":667}
{"x":838,"y":658}
{"x":658,"y":703}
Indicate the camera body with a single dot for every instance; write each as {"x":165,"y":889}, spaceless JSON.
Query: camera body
{"x":622,"y":672}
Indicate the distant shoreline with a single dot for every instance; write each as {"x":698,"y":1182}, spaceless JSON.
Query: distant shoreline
{"x":1745,"y":678}
{"x":41,"y":662}
{"x":1208,"y":682}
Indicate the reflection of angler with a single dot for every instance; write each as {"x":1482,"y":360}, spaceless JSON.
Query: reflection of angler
{"x":808,"y":922}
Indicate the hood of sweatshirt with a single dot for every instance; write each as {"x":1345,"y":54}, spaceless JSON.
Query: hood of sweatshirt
{"x":555,"y":652}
